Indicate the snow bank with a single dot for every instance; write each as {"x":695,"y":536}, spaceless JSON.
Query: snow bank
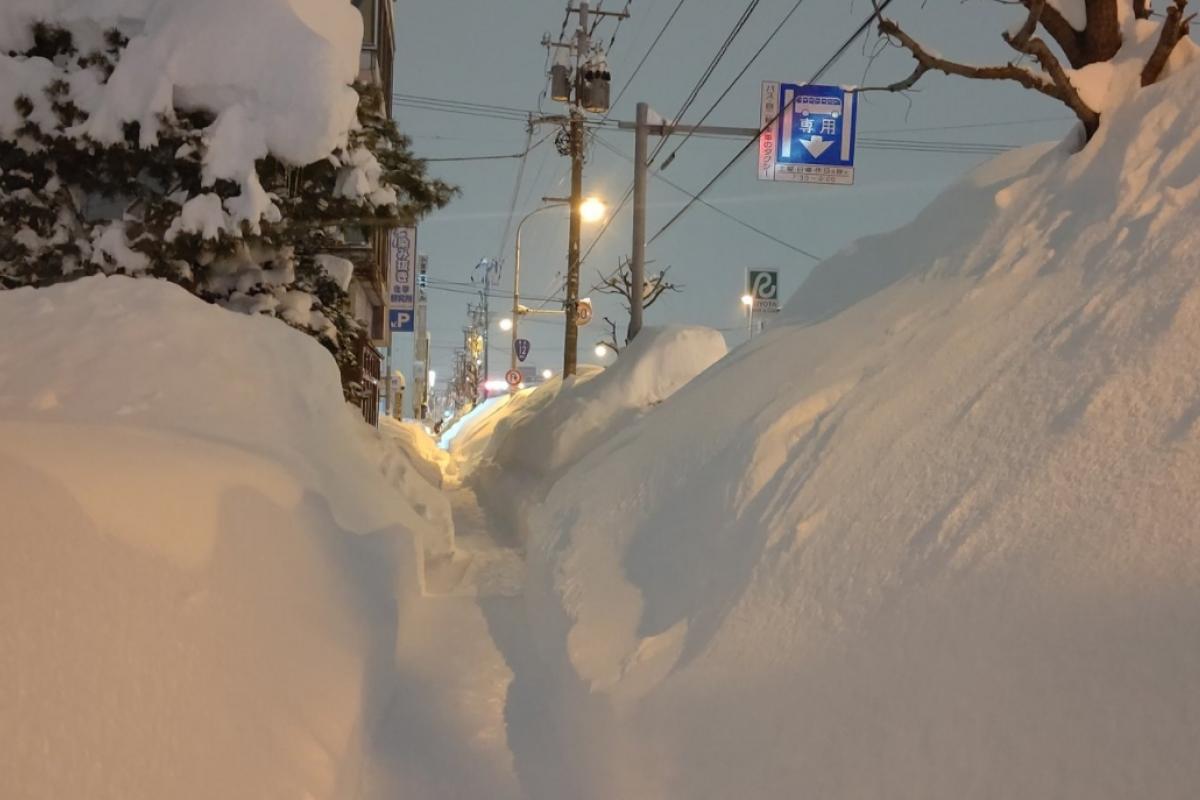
{"x":571,"y":422}
{"x":935,"y":533}
{"x":512,"y":450}
{"x":206,"y":572}
{"x":415,"y":466}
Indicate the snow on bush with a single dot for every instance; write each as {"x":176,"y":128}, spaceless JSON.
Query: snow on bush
{"x":933,"y":535}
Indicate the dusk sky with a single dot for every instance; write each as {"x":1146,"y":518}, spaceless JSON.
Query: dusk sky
{"x":707,"y":253}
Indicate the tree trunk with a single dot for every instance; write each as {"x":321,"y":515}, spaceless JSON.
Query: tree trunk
{"x":1102,"y":36}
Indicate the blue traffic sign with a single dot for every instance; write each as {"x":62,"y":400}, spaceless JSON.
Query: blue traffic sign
{"x":810,"y":133}
{"x":522,"y":348}
{"x":400,"y":320}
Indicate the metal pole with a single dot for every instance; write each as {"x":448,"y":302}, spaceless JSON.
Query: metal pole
{"x":387,"y":375}
{"x":516,"y":309}
{"x":487,"y":319}
{"x":637,"y":261}
{"x":750,"y":323}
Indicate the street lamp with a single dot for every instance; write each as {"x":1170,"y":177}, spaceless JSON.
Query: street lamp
{"x":601,"y":351}
{"x":506,"y":324}
{"x":547,"y":374}
{"x":590,"y":210}
{"x":748,"y":302}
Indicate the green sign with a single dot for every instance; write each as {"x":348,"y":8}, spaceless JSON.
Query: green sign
{"x":763,"y":286}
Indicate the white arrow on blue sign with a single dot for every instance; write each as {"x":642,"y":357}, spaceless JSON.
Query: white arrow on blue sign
{"x":810,"y":133}
{"x":522,"y":347}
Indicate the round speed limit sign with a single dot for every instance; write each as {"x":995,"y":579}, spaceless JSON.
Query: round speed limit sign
{"x":583,"y":313}
{"x":513,"y":376}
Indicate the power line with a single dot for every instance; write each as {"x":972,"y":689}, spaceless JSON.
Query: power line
{"x":752,"y":142}
{"x":704,"y":78}
{"x":529,"y":148}
{"x":712,"y":65}
{"x":718,"y":210}
{"x":645,"y":55}
{"x":516,"y":193}
{"x":736,"y":78}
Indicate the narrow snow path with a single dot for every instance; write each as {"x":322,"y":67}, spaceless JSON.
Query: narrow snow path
{"x":487,"y":561}
{"x":444,"y":733}
{"x":492,"y":717}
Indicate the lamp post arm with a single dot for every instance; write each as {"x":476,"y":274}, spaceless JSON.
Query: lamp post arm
{"x":516,"y":305}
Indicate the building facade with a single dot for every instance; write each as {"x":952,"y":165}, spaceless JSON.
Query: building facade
{"x":367,"y":247}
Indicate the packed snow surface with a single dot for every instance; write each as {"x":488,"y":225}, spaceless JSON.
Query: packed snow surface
{"x":936,"y":533}
{"x":212,"y":567}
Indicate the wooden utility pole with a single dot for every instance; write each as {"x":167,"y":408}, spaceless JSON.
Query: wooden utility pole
{"x":571,"y":305}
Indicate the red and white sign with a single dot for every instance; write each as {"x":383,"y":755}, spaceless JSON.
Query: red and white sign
{"x":513,"y":377}
{"x":583,"y":312}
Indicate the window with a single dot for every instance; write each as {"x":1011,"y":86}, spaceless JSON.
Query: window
{"x":370,"y":22}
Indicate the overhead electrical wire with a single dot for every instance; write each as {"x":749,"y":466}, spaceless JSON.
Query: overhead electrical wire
{"x":687,"y":103}
{"x":706,"y":75}
{"x":795,"y":7}
{"x":645,"y":56}
{"x":529,"y":149}
{"x":878,"y":9}
{"x":516,"y":193}
{"x":656,"y":174}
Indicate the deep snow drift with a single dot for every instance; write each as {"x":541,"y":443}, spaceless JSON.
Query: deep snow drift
{"x":936,"y":534}
{"x":512,"y":449}
{"x":211,"y":575}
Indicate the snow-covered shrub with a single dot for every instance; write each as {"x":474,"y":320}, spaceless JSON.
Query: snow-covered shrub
{"x":183,"y":146}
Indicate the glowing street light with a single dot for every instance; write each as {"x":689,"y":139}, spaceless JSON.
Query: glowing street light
{"x":748,"y":302}
{"x":601,"y":351}
{"x":547,"y":374}
{"x":592,"y":210}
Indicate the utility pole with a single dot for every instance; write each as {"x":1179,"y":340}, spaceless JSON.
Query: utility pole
{"x":642,"y":129}
{"x":571,"y":340}
{"x":637,"y":260}
{"x":585,"y":90}
{"x":575,"y":137}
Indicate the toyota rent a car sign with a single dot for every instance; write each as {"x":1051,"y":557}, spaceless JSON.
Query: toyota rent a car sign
{"x":763,"y":286}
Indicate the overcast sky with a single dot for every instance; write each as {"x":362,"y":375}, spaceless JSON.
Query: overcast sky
{"x":481,"y":51}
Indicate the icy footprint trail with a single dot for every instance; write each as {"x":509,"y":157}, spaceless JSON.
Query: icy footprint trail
{"x":490,"y":717}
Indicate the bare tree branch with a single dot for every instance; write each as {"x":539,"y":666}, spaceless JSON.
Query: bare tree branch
{"x":1069,"y":40}
{"x":1141,"y":9}
{"x":1176,"y":27}
{"x":1057,"y":85}
{"x":1022,"y":36}
{"x":1065,"y":90}
{"x":611,"y":341}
